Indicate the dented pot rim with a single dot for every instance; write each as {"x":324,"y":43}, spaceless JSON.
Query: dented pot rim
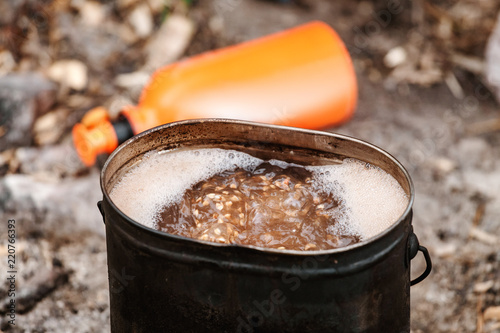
{"x":160,"y":234}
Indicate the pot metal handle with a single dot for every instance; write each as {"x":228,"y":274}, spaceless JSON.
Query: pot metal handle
{"x":413,"y":248}
{"x":99,"y":205}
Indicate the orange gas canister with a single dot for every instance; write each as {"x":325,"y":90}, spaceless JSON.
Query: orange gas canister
{"x":301,"y":77}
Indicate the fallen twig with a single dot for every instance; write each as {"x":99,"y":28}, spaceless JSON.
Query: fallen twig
{"x":483,"y":127}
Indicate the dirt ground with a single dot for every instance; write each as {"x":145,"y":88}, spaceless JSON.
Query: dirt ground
{"x":418,"y":100}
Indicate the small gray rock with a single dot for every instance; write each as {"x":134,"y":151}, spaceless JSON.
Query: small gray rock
{"x":23,"y":98}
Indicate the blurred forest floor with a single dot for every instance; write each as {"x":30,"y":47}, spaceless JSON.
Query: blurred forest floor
{"x":424,"y":97}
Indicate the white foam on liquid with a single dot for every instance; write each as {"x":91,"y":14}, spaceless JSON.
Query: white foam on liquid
{"x":161,"y":179}
{"x":370,"y":199}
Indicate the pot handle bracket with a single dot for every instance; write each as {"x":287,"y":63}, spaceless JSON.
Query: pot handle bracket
{"x":101,"y":209}
{"x":413,"y":248}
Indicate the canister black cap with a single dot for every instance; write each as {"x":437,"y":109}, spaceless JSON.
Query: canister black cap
{"x":123,"y":129}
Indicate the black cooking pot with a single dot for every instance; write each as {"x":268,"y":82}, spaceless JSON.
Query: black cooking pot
{"x":165,"y":283}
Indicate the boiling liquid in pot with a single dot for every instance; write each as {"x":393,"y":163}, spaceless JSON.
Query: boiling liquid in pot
{"x":231,"y":197}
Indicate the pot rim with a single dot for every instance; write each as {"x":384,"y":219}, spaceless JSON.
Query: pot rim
{"x":264,"y":250}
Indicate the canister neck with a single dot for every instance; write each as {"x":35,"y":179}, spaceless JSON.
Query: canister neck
{"x":96,"y":134}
